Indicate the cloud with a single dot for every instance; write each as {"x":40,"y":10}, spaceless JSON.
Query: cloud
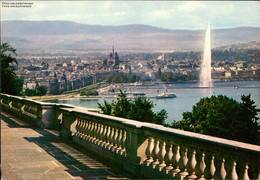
{"x":121,"y":13}
{"x":191,"y":6}
{"x":40,"y":5}
{"x":107,"y":4}
{"x":160,"y":14}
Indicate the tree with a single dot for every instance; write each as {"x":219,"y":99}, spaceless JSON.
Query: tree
{"x":89,"y":93}
{"x":139,"y":109}
{"x":39,"y":91}
{"x":223,"y":117}
{"x":10,"y":84}
{"x":122,"y":78}
{"x":159,"y":73}
{"x":29,"y":92}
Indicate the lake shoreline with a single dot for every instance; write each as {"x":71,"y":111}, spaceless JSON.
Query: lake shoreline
{"x":145,"y":86}
{"x":187,"y":96}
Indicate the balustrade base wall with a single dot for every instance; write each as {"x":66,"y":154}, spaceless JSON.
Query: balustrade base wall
{"x":148,"y":172}
{"x":23,"y":116}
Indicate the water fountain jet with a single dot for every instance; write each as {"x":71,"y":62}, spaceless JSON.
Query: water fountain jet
{"x":205,"y":72}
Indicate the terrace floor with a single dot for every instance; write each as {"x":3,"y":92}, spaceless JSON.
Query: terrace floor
{"x":32,"y":153}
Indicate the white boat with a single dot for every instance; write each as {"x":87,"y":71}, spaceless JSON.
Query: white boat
{"x":166,"y":95}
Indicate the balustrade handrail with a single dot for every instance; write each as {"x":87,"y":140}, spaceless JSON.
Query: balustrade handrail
{"x":159,"y":129}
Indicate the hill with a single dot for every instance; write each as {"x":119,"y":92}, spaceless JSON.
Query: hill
{"x":240,"y":46}
{"x":30,"y":35}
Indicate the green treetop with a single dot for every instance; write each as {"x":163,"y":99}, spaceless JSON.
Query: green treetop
{"x":223,"y":117}
{"x":138,"y":109}
{"x":10,"y":84}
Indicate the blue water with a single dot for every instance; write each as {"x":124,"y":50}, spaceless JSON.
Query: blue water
{"x":188,"y":94}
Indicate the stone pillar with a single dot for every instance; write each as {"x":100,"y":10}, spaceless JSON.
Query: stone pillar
{"x":68,"y":123}
{"x":58,"y":114}
{"x":48,"y":115}
{"x":136,"y":144}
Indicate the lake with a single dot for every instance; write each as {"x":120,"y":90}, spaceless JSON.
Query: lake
{"x":188,"y":94}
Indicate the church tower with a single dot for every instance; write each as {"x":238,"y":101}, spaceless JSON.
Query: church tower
{"x":113,"y":51}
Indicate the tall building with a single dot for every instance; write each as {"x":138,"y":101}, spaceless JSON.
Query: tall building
{"x":113,"y":59}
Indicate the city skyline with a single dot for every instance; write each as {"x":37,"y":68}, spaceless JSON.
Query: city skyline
{"x":191,"y":15}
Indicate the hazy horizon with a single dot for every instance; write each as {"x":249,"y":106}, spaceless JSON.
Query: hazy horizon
{"x":128,"y":25}
{"x":175,"y":15}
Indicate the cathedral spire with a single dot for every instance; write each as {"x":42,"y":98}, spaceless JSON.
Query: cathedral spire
{"x":113,"y":50}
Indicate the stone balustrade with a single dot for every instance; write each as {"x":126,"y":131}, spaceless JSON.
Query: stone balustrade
{"x":41,"y":114}
{"x":186,"y":155}
{"x":144,"y":149}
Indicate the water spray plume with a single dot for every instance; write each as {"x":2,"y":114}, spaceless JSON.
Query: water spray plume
{"x":205,"y":72}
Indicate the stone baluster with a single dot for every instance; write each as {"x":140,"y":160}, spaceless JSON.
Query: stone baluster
{"x":102,"y":138}
{"x":22,"y":109}
{"x":83,"y":127}
{"x":100,"y":135}
{"x":92,"y":128}
{"x":234,"y":175}
{"x":155,"y":153}
{"x":77,"y":127}
{"x":161,"y":155}
{"x":244,"y":172}
{"x":115,"y":140}
{"x":192,"y":164}
{"x":108,"y":137}
{"x":82,"y":124}
{"x":99,"y":132}
{"x":168,"y":157}
{"x":230,"y":168}
{"x":111,"y":138}
{"x":85,"y":130}
{"x":104,"y":133}
{"x":118,"y":140}
{"x":149,"y":151}
{"x":223,"y":172}
{"x":201,"y":167}
{"x":95,"y":124}
{"x":123,"y":140}
{"x":88,"y":131}
{"x":176,"y":160}
{"x":212,"y":167}
{"x":95,"y":138}
{"x":184,"y":161}
{"x":79,"y":130}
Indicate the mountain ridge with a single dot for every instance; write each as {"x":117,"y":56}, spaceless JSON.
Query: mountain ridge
{"x":73,"y":35}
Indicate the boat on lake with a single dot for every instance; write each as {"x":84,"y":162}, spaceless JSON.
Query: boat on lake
{"x":139,"y":94}
{"x":165,"y":95}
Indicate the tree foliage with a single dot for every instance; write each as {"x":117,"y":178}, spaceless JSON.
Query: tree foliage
{"x":123,"y":78}
{"x":248,"y":55}
{"x":10,"y":84}
{"x":173,"y":77}
{"x":89,"y":93}
{"x":223,"y":117}
{"x":39,"y":91}
{"x":140,"y":109}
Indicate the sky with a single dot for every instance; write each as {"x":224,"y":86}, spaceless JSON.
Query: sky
{"x":164,"y":14}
